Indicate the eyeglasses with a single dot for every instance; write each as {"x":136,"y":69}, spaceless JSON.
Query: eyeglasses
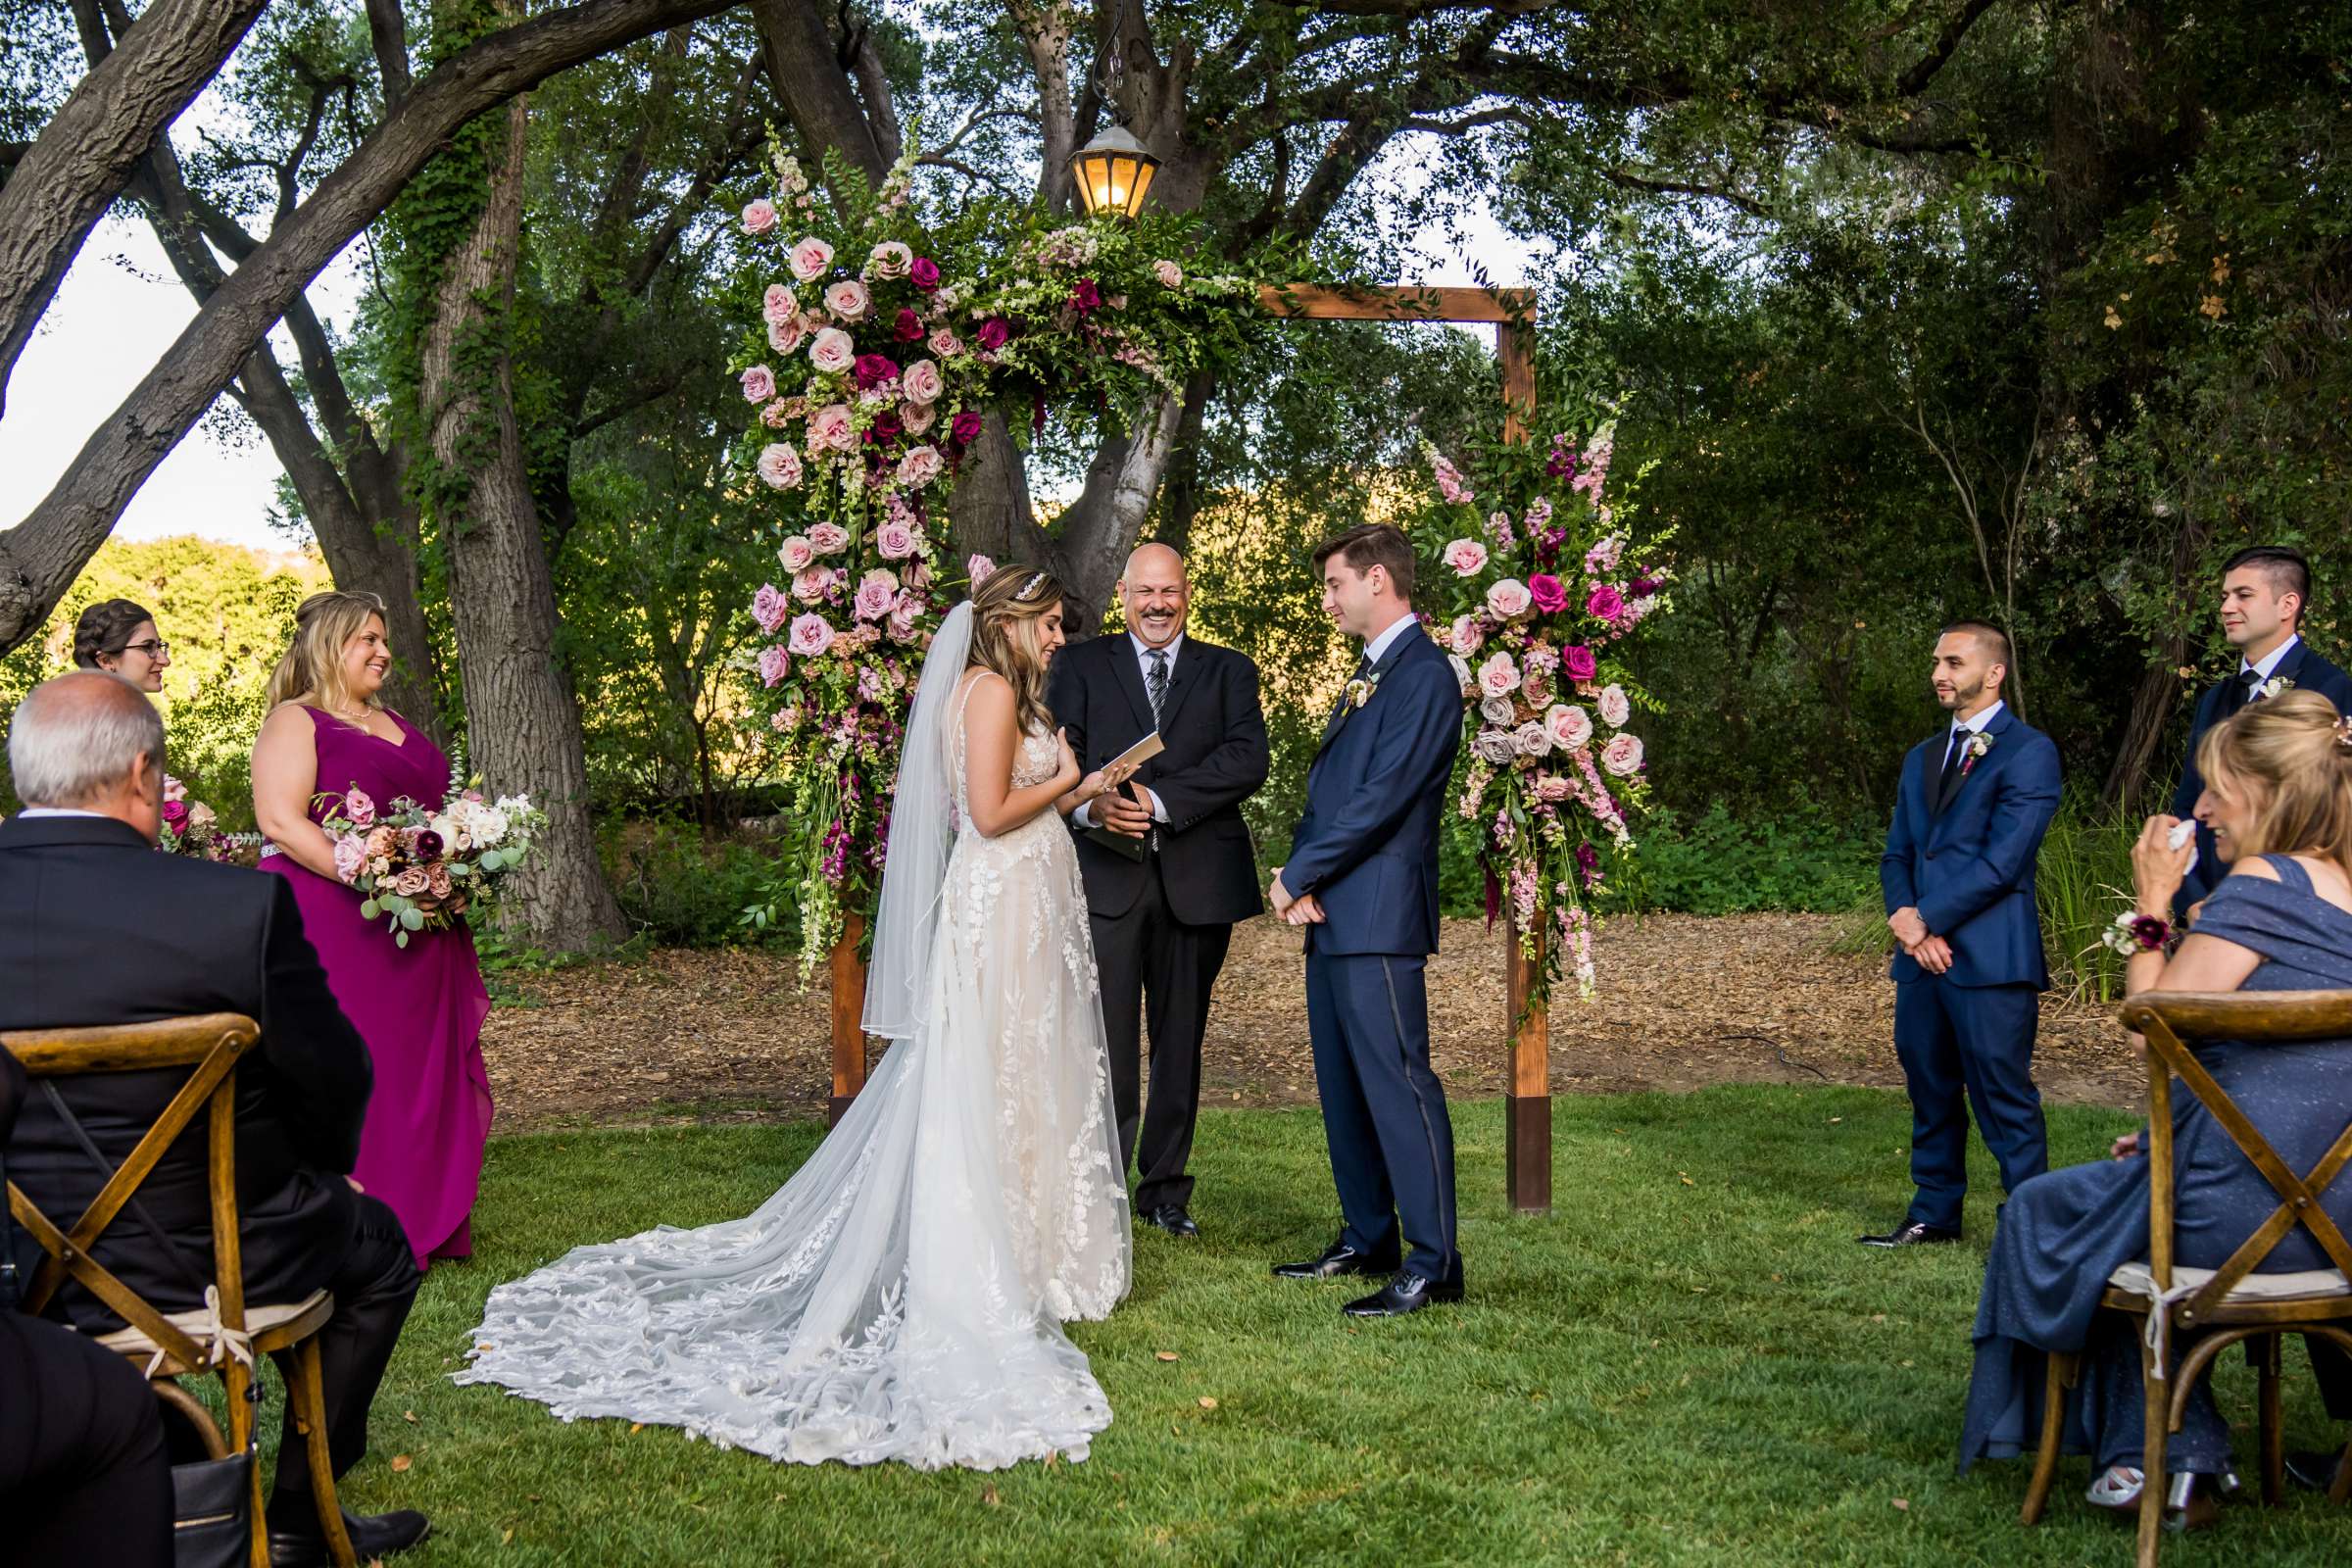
{"x":153,"y":648}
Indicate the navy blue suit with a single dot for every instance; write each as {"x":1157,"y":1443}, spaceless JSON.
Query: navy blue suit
{"x":1366,"y":848}
{"x":1967,"y":1036}
{"x":2302,"y":669}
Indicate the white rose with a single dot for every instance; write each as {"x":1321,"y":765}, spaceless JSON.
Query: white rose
{"x":1615,"y":706}
{"x":1500,"y":710}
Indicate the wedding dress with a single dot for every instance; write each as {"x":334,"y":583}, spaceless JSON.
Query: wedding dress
{"x":901,"y":1296}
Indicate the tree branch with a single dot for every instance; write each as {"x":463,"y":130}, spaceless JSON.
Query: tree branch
{"x":388,"y":33}
{"x":1674,"y":187}
{"x":1911,"y":83}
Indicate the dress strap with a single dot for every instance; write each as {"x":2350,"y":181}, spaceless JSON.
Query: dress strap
{"x":2291,"y":871}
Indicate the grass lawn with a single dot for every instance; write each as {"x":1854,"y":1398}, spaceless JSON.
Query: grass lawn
{"x":1691,"y":1361}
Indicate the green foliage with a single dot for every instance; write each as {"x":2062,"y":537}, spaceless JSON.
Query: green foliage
{"x":1728,"y":861}
{"x":679,"y":887}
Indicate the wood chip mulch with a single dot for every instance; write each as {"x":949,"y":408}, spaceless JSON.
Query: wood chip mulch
{"x":1685,"y":1002}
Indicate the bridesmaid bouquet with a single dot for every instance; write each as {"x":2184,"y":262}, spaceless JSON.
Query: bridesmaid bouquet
{"x":190,"y":827}
{"x":418,"y":869}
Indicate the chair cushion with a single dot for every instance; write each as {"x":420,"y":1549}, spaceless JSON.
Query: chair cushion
{"x":2310,"y":1284}
{"x":197,"y":1324}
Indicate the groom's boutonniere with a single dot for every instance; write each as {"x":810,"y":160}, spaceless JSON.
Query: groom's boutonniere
{"x":1357,"y":692}
{"x":1972,"y":750}
{"x":2272,"y":687}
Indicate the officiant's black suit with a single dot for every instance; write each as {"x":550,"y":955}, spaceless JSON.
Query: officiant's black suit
{"x":1163,"y":924}
{"x":96,"y":927}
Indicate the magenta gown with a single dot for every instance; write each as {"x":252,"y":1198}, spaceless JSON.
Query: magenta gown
{"x":419,"y":1008}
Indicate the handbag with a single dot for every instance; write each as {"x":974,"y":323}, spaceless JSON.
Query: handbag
{"x":211,"y":1511}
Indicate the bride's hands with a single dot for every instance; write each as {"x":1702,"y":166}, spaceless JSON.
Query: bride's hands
{"x":1102,"y":781}
{"x":1066,"y":773}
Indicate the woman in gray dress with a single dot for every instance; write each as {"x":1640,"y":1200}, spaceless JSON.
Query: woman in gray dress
{"x":2279,"y":798}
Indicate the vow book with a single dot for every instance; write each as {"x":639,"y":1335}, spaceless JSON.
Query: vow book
{"x":1141,"y":751}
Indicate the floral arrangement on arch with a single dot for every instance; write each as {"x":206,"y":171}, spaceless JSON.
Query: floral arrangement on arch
{"x":1535,"y":587}
{"x":882,"y":345}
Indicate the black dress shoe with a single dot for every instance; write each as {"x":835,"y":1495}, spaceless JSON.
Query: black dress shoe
{"x":373,"y":1535}
{"x":1172,"y":1218}
{"x":1406,"y":1293}
{"x":1341,"y":1259}
{"x":2313,"y":1469}
{"x":1910,"y":1233}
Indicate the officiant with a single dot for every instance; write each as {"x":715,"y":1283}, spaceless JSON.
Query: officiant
{"x":1167,"y":860}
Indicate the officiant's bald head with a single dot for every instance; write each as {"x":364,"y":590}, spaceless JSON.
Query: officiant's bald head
{"x":1158,"y":594}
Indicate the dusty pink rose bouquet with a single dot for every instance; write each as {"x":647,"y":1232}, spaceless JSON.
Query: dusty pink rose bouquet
{"x":191,"y":827}
{"x":420,"y":869}
{"x":1532,"y":584}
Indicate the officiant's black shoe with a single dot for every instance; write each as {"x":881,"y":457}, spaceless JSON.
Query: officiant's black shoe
{"x":1172,"y":1218}
{"x":372,"y":1536}
{"x":2313,"y":1469}
{"x":1910,"y":1233}
{"x":1406,"y":1293}
{"x":1341,"y":1259}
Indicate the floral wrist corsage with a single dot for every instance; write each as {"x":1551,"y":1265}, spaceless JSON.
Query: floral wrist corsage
{"x":2134,"y":933}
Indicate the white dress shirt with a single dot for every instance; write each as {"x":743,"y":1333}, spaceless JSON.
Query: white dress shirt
{"x":1969,"y":726}
{"x":57,"y":810}
{"x":2270,"y":660}
{"x":1377,"y":649}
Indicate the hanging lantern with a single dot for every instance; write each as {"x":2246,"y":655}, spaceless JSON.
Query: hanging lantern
{"x":1114,"y":173}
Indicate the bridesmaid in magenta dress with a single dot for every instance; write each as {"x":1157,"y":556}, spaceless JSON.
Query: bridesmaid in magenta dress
{"x":419,"y":1008}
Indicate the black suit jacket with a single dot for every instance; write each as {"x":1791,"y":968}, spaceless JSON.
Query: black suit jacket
{"x":1215,"y":737}
{"x":96,"y":927}
{"x":2307,"y":672}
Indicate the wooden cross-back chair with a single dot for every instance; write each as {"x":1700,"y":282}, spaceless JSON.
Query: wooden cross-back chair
{"x":2211,"y":1309}
{"x":222,"y":1338}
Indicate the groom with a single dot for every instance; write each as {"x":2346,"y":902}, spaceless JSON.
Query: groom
{"x":1167,"y":862}
{"x":1362,"y":880}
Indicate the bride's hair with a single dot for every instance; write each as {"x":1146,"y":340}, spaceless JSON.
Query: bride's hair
{"x":1006,"y":608}
{"x":311,"y":671}
{"x":2294,"y":751}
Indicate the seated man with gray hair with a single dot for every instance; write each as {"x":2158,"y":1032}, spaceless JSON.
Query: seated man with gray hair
{"x":96,"y":927}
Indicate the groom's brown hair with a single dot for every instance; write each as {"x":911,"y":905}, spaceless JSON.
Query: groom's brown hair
{"x":1368,"y":545}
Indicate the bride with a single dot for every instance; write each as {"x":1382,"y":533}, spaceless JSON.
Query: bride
{"x":902,"y":1295}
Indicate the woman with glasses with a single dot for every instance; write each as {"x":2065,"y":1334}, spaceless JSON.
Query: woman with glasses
{"x":120,"y":637}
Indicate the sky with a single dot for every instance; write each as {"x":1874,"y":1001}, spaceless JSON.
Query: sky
{"x":120,"y":307}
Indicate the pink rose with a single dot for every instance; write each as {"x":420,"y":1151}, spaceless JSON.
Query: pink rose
{"x":1169,"y":273}
{"x":437,"y":880}
{"x":920,"y":466}
{"x":833,"y":352}
{"x":809,"y":586}
{"x":916,"y":417}
{"x":1578,"y":663}
{"x":1508,"y":599}
{"x":977,"y":569}
{"x":889,"y":260}
{"x":358,"y":810}
{"x":786,"y":337}
{"x":1551,"y":787}
{"x":918,"y":575}
{"x":779,"y":466}
{"x":760,"y":217}
{"x":774,"y":663}
{"x":829,"y":538}
{"x":1537,"y":688}
{"x":1570,"y":726}
{"x":411,"y":882}
{"x":769,"y":607}
{"x":1533,"y":738}
{"x":779,"y":304}
{"x":923,"y":274}
{"x":1498,"y":676}
{"x":1550,"y":593}
{"x":1622,"y":756}
{"x":351,"y":852}
{"x":174,"y":789}
{"x":1468,"y":635}
{"x":810,"y":259}
{"x":1467,"y":557}
{"x":903,"y":617}
{"x":922,"y":383}
{"x":1615,"y":706}
{"x":895,"y":540}
{"x":847,"y":300}
{"x":831,"y":429}
{"x":1604,"y":603}
{"x":1496,"y":745}
{"x":943,"y":343}
{"x":877,"y":593}
{"x":812,"y":635}
{"x":797,"y":554}
{"x":759,"y":385}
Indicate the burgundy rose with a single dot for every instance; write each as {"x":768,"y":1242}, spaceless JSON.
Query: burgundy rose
{"x":1642,"y":587}
{"x":885,"y":429}
{"x":1085,"y":297}
{"x":428,"y":845}
{"x":1605,"y":603}
{"x":964,"y":428}
{"x":993,"y":333}
{"x":1577,"y":662}
{"x":923,"y":274}
{"x":175,"y":816}
{"x":873,"y":369}
{"x":2149,"y":932}
{"x":1550,"y":593}
{"x":910,"y":328}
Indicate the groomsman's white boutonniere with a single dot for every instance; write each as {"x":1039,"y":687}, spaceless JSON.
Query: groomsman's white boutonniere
{"x":2272,"y":687}
{"x":1357,"y":692}
{"x":1973,"y":750}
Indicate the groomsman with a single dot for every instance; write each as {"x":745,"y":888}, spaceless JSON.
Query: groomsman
{"x":1958,"y":875}
{"x":1362,"y":879}
{"x":2265,"y":591}
{"x":1167,"y":862}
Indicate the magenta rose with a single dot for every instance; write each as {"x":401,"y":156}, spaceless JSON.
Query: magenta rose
{"x":923,"y":274}
{"x":873,"y":369}
{"x":908,"y":328}
{"x":964,"y":428}
{"x":1085,"y":296}
{"x":1605,"y":603}
{"x":885,"y":429}
{"x":1578,"y":663}
{"x":175,"y":816}
{"x":1549,"y":592}
{"x":993,"y":333}
{"x":1642,"y":587}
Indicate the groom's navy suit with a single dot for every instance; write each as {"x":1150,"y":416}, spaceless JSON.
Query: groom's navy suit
{"x":1366,"y":848}
{"x":1961,"y":850}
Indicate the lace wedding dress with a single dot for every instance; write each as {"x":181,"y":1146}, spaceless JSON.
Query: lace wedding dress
{"x":901,"y":1298}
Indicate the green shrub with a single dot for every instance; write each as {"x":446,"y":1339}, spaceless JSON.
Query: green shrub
{"x":679,"y":889}
{"x":1724,"y":863}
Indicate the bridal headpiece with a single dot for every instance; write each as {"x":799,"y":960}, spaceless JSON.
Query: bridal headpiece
{"x":1029,"y":588}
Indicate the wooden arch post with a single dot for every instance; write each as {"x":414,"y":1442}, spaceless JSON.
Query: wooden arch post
{"x":1528,"y":1126}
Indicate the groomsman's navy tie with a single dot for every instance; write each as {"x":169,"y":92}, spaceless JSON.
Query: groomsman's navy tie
{"x":1947,"y":783}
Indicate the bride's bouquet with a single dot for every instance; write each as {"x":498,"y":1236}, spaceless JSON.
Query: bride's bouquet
{"x":418,"y":869}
